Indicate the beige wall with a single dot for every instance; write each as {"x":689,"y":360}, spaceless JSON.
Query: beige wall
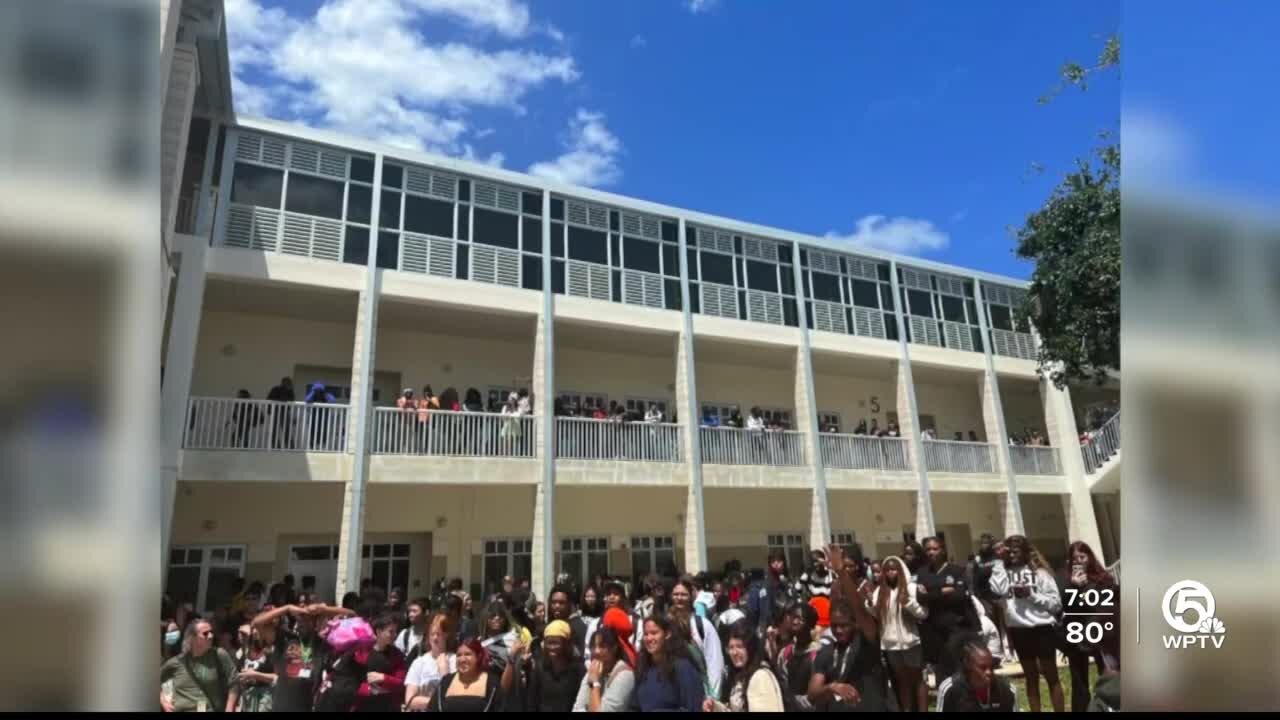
{"x":618,"y":375}
{"x":955,"y":512}
{"x":1046,"y":525}
{"x":1023,"y":407}
{"x":442,"y":361}
{"x":240,"y":350}
{"x":746,"y":386}
{"x":955,"y":406}
{"x":873,"y":517}
{"x":852,"y":395}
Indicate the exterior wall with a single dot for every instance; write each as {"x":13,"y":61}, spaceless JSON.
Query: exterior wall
{"x":442,"y":361}
{"x":856,"y":397}
{"x":265,"y":348}
{"x":964,"y":516}
{"x":877,"y":518}
{"x":618,"y":375}
{"x":739,"y":522}
{"x":1023,"y":407}
{"x":1085,"y":396}
{"x":955,"y":406}
{"x":174,"y":126}
{"x":1046,"y":525}
{"x":746,"y":386}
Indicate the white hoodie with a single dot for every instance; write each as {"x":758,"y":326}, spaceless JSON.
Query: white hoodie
{"x":899,"y":630}
{"x":1037,"y":609}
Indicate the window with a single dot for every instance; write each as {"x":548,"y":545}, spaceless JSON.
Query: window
{"x":641,"y":406}
{"x":1001,"y":317}
{"x":953,"y":309}
{"x":652,"y":555}
{"x":254,"y":185}
{"x":777,"y":415}
{"x":429,"y":217}
{"x":389,"y":212}
{"x":360,"y":204}
{"x":388,"y":250}
{"x":531,"y":235}
{"x":496,"y":228}
{"x":314,"y":196}
{"x":584,"y":558}
{"x":717,"y":268}
{"x":589,"y":401}
{"x":531,"y":203}
{"x":205,"y":575}
{"x":355,"y":249}
{"x":362,"y":169}
{"x":531,"y":271}
{"x":762,"y":276}
{"x":792,"y":545}
{"x":588,"y":245}
{"x":865,"y":294}
{"x":497,"y":396}
{"x":640,"y":255}
{"x":921,"y":303}
{"x":507,"y":556}
{"x":392,"y":175}
{"x":845,"y":540}
{"x":829,"y":422}
{"x":724,"y":411}
{"x":388,"y":565}
{"x":826,"y":287}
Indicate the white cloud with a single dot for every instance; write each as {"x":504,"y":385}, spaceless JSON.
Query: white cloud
{"x":554,"y":33}
{"x":495,"y":159}
{"x":364,"y":67}
{"x":905,"y":235}
{"x":639,"y":41}
{"x":591,"y":154}
{"x":1155,"y":148}
{"x":701,"y":6}
{"x":483,"y":133}
{"x":959,"y":215}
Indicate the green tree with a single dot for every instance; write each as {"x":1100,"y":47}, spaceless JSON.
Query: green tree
{"x":1074,"y":241}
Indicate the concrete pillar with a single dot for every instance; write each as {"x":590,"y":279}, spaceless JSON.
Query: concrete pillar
{"x":993,"y":424}
{"x":351,"y":535}
{"x":1010,"y":515}
{"x":1060,"y":425}
{"x":184,"y":332}
{"x":909,"y":413}
{"x":806,"y":418}
{"x":695,"y":528}
{"x":542,"y":560}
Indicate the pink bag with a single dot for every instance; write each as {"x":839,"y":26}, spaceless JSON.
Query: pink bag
{"x":351,"y":633}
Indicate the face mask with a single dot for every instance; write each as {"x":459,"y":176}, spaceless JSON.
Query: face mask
{"x":171,"y":638}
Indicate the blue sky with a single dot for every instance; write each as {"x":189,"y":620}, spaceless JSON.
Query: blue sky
{"x":906,"y":126}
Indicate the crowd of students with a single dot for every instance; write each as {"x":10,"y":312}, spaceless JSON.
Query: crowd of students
{"x":848,"y":634}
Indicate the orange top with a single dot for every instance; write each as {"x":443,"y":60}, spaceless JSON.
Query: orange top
{"x":822,"y":606}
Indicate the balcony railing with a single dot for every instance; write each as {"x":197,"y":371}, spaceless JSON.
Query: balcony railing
{"x":959,"y":457}
{"x":864,"y":452}
{"x":1034,"y":460}
{"x":455,"y":434}
{"x":236,"y":424}
{"x":1103,"y":443}
{"x":734,"y":446}
{"x":588,"y":439}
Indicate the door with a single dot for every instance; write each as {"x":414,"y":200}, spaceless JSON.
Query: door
{"x":959,"y":542}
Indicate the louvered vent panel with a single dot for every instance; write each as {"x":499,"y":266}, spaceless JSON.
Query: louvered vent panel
{"x":868,"y":322}
{"x":579,"y":279}
{"x":710,"y":239}
{"x":597,"y":217}
{"x":304,"y":157}
{"x":751,"y":247}
{"x":266,"y":229}
{"x":710,"y":304}
{"x":441,"y":257}
{"x":577,"y":213}
{"x":650,"y":228}
{"x":916,"y":279}
{"x":273,"y":151}
{"x":417,"y":181}
{"x":414,"y":252}
{"x":764,"y":307}
{"x":824,"y":261}
{"x":631,"y":224}
{"x":653,"y":291}
{"x":239,"y":226}
{"x":728,"y":302}
{"x":326,"y":239}
{"x":599,"y":282}
{"x":864,"y":269}
{"x":633,"y":288}
{"x":507,"y":271}
{"x":1026,"y":346}
{"x":508,"y":199}
{"x":1000,"y":339}
{"x":297,"y":235}
{"x":950,"y":286}
{"x":924,"y":331}
{"x":249,"y":148}
{"x":958,"y":336}
{"x":830,"y":317}
{"x":333,"y":164}
{"x":444,"y":186}
{"x":483,"y":263}
{"x":485,"y":195}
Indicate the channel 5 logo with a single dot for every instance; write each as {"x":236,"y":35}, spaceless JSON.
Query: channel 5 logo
{"x":1188,"y":608}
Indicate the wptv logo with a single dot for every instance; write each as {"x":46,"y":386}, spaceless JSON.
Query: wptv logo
{"x":1188,"y":608}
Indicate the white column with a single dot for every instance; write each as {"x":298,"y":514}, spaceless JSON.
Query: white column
{"x":184,"y":332}
{"x":351,"y":535}
{"x":1060,"y":426}
{"x":695,"y":529}
{"x":993,"y":418}
{"x":909,"y":415}
{"x":806,"y":422}
{"x":542,"y":560}
{"x":1010,"y":515}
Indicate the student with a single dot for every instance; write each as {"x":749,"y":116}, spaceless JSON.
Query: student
{"x":945,"y":594}
{"x":848,"y":674}
{"x":615,"y":612}
{"x":816,"y":581}
{"x":410,"y":638}
{"x":209,"y":689}
{"x":771,"y":593}
{"x":975,"y":687}
{"x":1032,"y":603}
{"x":979,"y":572}
{"x":1089,"y":579}
{"x":796,"y":649}
{"x":610,"y":679}
{"x":255,"y":676}
{"x":546,"y":679}
{"x":702,"y":633}
{"x":439,"y":658}
{"x":913,"y":556}
{"x":383,"y":687}
{"x":283,"y":435}
{"x":666,"y":680}
{"x":293,"y":680}
{"x":898,"y":611}
{"x":752,"y":685}
{"x":473,"y":687}
{"x":499,"y":635}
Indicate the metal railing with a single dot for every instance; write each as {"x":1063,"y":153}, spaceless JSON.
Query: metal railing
{"x":734,"y":446}
{"x":864,"y":452}
{"x":1035,"y":460}
{"x":238,"y":424}
{"x":589,"y":439}
{"x":960,"y":457}
{"x":449,"y":433}
{"x":1102,"y":444}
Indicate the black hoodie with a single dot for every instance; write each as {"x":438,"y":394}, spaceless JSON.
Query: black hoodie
{"x":955,"y":695}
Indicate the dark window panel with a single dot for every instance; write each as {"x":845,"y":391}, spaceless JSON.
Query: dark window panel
{"x":921,"y":303}
{"x":977,"y":338}
{"x":844,"y":267}
{"x":691,"y":259}
{"x":392,"y":175}
{"x":615,"y":250}
{"x":952,"y":309}
{"x":670,"y":260}
{"x":532,"y":240}
{"x":808,"y":314}
{"x":826,"y":287}
{"x":389,"y":209}
{"x":217,"y":156}
{"x":968,"y":288}
{"x":496,"y":228}
{"x":463,"y":265}
{"x":804,"y":281}
{"x":671,"y":292}
{"x":1023,"y":325}
{"x":614,"y":221}
{"x":1001,"y":318}
{"x":362,"y":169}
{"x":717,"y":268}
{"x":532,"y":203}
{"x":933,"y":281}
{"x":557,"y":240}
{"x":900,"y":280}
{"x":882,"y":271}
{"x":788,"y":275}
{"x":557,"y":277}
{"x":886,"y":296}
{"x":789,"y":314}
{"x":617,"y":286}
{"x":389,"y":250}
{"x":973,"y":312}
{"x":890,"y":326}
{"x":314,"y":196}
{"x":804,"y":258}
{"x":359,"y":203}
{"x":848,"y":320}
{"x":532,"y":270}
{"x":355,"y":247}
{"x":641,"y":255}
{"x":762,"y":276}
{"x":253,"y":185}
{"x":737,"y":244}
{"x":695,"y":298}
{"x":742,"y":304}
{"x":464,"y":191}
{"x":670,"y":232}
{"x":464,"y":222}
{"x":557,"y":209}
{"x":588,"y":245}
{"x":784,"y":253}
{"x":865,"y":294}
{"x":424,"y":215}
{"x":690,"y":236}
